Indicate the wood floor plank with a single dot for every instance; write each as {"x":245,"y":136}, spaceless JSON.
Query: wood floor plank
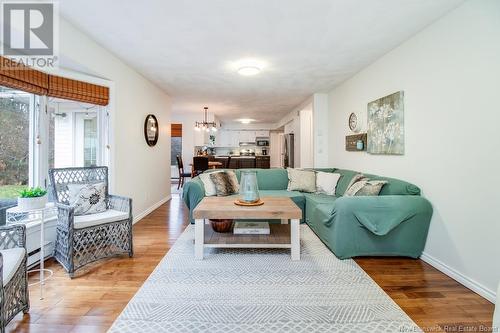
{"x":93,"y":300}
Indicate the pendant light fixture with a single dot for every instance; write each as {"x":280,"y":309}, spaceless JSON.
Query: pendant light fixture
{"x":205,"y":125}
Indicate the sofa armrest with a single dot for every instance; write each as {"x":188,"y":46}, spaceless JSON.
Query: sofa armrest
{"x":12,"y":236}
{"x":380,"y":214}
{"x":192,"y":193}
{"x":122,"y":204}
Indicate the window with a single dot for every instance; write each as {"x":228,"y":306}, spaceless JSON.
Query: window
{"x":17,"y":110}
{"x":32,"y":141}
{"x":176,"y":149}
{"x":76,"y":134}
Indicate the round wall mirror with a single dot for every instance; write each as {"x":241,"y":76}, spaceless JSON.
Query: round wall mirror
{"x":151,"y":130}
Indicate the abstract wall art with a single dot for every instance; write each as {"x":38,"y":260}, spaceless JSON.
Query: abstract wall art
{"x":386,"y":125}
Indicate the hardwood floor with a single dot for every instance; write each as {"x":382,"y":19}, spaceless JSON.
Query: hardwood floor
{"x":91,"y":302}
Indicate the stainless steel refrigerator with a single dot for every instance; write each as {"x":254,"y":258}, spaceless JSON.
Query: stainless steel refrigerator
{"x":287,"y":151}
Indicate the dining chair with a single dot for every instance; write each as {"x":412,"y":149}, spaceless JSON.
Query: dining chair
{"x":182,"y":173}
{"x":200,"y":164}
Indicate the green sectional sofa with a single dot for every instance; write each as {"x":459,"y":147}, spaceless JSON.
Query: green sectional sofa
{"x":395,"y":223}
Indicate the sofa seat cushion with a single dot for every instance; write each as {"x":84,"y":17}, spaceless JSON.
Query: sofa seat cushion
{"x":319,"y":198}
{"x":12,"y":258}
{"x":110,"y":215}
{"x":295,"y":195}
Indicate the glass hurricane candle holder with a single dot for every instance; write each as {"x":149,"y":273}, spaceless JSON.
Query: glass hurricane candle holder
{"x":249,"y":189}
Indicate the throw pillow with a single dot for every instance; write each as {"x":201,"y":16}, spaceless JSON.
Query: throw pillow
{"x":208,"y":184}
{"x":88,"y":198}
{"x":301,"y":180}
{"x":225,"y":183}
{"x":372,"y":188}
{"x":326,"y":182}
{"x":360,"y":185}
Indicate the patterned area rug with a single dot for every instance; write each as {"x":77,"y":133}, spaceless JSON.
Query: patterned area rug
{"x":260,"y":290}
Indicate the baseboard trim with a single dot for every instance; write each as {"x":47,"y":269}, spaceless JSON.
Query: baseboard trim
{"x":473,"y":285}
{"x":143,"y":214}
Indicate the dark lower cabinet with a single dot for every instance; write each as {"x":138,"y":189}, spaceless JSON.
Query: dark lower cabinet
{"x":263,"y":162}
{"x":222,"y":160}
{"x":234,"y":163}
{"x":246,"y":163}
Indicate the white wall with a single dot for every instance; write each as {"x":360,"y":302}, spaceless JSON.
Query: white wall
{"x":321,"y":130}
{"x":306,"y":138}
{"x":450,"y":74}
{"x":139,"y":171}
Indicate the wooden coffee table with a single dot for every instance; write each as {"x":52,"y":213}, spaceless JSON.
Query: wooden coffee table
{"x":282,"y":235}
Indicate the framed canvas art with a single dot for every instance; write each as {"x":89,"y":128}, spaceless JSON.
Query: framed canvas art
{"x":386,"y":125}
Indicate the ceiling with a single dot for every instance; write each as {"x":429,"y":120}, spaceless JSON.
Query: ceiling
{"x":187,"y":47}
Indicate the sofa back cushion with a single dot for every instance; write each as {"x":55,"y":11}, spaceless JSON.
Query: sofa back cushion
{"x":272,"y":179}
{"x":393,"y":187}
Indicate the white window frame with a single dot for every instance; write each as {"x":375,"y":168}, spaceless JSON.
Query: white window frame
{"x":39,"y":132}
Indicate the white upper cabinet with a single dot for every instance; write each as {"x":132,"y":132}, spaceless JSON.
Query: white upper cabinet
{"x":262,"y":134}
{"x":232,"y":138}
{"x":199,"y":138}
{"x":247,"y":136}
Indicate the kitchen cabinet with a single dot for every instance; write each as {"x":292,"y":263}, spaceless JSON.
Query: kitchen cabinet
{"x":232,"y":138}
{"x":200,"y":138}
{"x":262,"y":134}
{"x":222,"y":160}
{"x":246,"y":163}
{"x":227,"y":138}
{"x":242,"y":163}
{"x":263,"y":162}
{"x":222,"y":138}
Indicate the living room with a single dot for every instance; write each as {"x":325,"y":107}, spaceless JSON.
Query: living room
{"x":375,"y":190}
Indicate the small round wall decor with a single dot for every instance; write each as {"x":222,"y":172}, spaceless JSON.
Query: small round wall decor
{"x":353,"y":122}
{"x":151,"y":130}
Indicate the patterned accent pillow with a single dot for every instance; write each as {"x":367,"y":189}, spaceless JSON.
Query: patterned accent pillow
{"x":88,"y":198}
{"x":208,"y":184}
{"x":301,"y":180}
{"x":225,"y":183}
{"x":360,"y":185}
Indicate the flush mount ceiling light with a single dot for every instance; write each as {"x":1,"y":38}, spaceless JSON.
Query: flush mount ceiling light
{"x":245,"y":121}
{"x":248,"y":66}
{"x":248,"y":70}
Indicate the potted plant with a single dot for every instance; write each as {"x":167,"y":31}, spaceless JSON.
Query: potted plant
{"x":32,"y":198}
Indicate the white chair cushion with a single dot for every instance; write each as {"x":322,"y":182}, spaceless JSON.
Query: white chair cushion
{"x":110,"y":215}
{"x":12,"y":258}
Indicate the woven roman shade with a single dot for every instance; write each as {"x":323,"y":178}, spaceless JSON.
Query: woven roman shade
{"x":176,"y":130}
{"x":18,"y":76}
{"x":75,"y":90}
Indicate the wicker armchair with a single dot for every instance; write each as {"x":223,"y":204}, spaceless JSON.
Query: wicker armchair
{"x":83,"y":239}
{"x":14,"y":296}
